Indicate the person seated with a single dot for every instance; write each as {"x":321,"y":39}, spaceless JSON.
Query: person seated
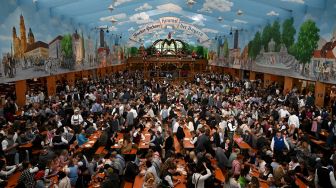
{"x":254,"y":183}
{"x":268,"y":174}
{"x":6,"y":171}
{"x":167,"y":175}
{"x":198,"y":179}
{"x":149,"y":181}
{"x":126,"y":146}
{"x":64,"y":158}
{"x":26,"y":178}
{"x":81,"y":138}
{"x":118,"y":162}
{"x":245,"y":177}
{"x":111,"y":179}
{"x":58,"y":141}
{"x":137,"y":136}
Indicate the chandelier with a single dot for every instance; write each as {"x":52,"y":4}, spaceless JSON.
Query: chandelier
{"x":191,"y":3}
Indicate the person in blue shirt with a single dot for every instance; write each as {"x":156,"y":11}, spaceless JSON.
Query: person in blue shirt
{"x":81,"y":139}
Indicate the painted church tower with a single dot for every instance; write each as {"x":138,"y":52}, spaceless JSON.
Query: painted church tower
{"x":16,"y":44}
{"x":31,"y":38}
{"x":23,"y":34}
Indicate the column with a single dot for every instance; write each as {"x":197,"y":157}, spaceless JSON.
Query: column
{"x":71,"y":78}
{"x":51,"y":85}
{"x":20,"y":90}
{"x":252,"y":75}
{"x":103,"y":71}
{"x":319,"y":94}
{"x":267,"y":79}
{"x":85,"y":74}
{"x":288,"y":85}
{"x":240,"y":74}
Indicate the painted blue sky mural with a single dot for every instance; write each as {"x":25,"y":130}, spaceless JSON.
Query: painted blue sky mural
{"x":49,"y":18}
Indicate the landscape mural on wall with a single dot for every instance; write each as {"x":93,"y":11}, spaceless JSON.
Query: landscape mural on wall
{"x":275,"y":50}
{"x":34,"y":44}
{"x":301,"y":47}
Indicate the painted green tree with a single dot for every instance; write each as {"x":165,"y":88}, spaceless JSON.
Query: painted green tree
{"x":226,"y":48}
{"x":66,"y":46}
{"x":276,"y":35}
{"x":255,"y":46}
{"x":200,"y":51}
{"x":266,"y":36}
{"x":288,"y":33}
{"x":133,"y":51}
{"x":307,"y":42}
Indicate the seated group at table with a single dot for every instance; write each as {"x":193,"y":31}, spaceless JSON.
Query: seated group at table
{"x":124,"y":131}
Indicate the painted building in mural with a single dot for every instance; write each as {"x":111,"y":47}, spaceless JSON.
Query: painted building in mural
{"x":38,"y":49}
{"x":55,"y":47}
{"x":77,"y":47}
{"x":89,"y":49}
{"x":22,"y":42}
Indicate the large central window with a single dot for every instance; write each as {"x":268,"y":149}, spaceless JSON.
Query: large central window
{"x":168,"y":46}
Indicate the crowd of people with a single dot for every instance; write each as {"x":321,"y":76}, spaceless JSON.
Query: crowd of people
{"x":218,"y":111}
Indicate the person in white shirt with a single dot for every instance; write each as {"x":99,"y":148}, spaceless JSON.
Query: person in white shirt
{"x":197,"y":178}
{"x":294,"y":120}
{"x":176,"y":126}
{"x":77,"y":118}
{"x":283,"y":112}
{"x":135,"y":113}
{"x":191,"y":125}
{"x":324,"y":177}
{"x":150,"y":112}
{"x":260,"y":164}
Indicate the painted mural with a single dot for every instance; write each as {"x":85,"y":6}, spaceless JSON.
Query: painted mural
{"x":301,"y":47}
{"x":45,"y":37}
{"x":30,"y":48}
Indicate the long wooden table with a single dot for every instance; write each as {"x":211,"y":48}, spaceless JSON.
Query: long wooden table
{"x":92,"y":140}
{"x":241,"y":143}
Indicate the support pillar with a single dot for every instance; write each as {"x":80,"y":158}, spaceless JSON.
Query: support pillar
{"x":252,"y":75}
{"x":319,"y":94}
{"x":71,"y":78}
{"x":51,"y":85}
{"x":103,"y":71}
{"x":267,"y":79}
{"x":20,"y":90}
{"x":288,"y":85}
{"x":85,"y":74}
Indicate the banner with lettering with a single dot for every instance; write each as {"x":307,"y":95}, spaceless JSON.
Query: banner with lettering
{"x":174,"y":22}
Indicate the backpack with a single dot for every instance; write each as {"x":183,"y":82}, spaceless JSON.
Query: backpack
{"x":131,"y":171}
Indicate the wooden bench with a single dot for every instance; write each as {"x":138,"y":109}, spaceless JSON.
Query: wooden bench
{"x":13,"y":180}
{"x":128,"y":184}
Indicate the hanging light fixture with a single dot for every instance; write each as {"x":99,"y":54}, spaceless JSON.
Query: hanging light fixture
{"x":113,"y":20}
{"x":220,"y":18}
{"x":240,"y":12}
{"x":191,"y":3}
{"x":111,"y":8}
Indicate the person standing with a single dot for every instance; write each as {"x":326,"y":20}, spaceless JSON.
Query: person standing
{"x":232,"y":128}
{"x":278,"y":144}
{"x":324,"y":177}
{"x":26,"y":178}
